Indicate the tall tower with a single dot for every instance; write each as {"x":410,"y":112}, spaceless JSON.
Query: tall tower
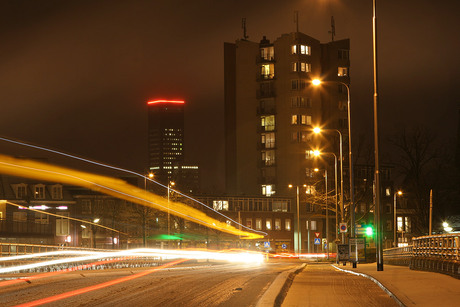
{"x":165,"y":137}
{"x":271,"y":106}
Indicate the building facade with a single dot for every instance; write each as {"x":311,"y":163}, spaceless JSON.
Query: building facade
{"x":271,"y":106}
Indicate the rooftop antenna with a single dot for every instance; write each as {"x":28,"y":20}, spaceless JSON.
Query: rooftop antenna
{"x":332,"y":32}
{"x":296,"y":20}
{"x":243,"y":26}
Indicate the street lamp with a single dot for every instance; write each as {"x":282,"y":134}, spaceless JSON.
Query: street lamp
{"x":299,"y":243}
{"x":318,"y":130}
{"x":395,"y":194}
{"x":317,"y":82}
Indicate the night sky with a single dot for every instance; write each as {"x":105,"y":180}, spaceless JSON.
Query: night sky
{"x":76,"y":75}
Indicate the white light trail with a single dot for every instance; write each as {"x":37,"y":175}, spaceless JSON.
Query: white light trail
{"x":234,"y":257}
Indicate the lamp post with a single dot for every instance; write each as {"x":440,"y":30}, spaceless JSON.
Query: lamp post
{"x":318,"y":153}
{"x":299,"y":243}
{"x":378,"y":209}
{"x":342,"y":208}
{"x":170,"y":184}
{"x":317,"y":82}
{"x":327,"y":210}
{"x":145,"y":210}
{"x":395,"y":239}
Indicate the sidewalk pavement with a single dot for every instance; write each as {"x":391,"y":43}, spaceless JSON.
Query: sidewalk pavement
{"x":413,"y":287}
{"x":323,"y":285}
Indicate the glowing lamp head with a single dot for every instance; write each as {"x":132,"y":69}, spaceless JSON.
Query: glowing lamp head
{"x":150,"y":175}
{"x":317,"y":130}
{"x":96,"y":220}
{"x":316,"y":153}
{"x":316,"y":82}
{"x":290,"y":186}
{"x":400,"y":193}
{"x":316,"y":169}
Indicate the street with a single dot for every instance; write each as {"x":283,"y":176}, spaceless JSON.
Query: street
{"x":200,"y":284}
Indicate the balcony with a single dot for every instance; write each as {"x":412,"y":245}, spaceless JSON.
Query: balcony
{"x":268,"y":93}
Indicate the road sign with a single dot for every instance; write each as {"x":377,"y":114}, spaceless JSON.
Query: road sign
{"x":283,"y":246}
{"x":317,"y":234}
{"x":317,"y":241}
{"x":267,"y":244}
{"x":343,"y":227}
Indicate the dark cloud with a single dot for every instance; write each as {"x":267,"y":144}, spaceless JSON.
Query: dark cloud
{"x":76,"y":75}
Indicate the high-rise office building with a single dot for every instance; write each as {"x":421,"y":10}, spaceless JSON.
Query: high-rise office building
{"x":271,"y":106}
{"x":166,"y":145}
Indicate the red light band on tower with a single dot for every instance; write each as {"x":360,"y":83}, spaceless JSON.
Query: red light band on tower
{"x":166,"y":101}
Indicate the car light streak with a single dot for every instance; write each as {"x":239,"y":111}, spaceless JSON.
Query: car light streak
{"x":117,"y":188}
{"x":129,"y":172}
{"x":238,"y":257}
{"x":98,"y":286}
{"x":67,"y":270}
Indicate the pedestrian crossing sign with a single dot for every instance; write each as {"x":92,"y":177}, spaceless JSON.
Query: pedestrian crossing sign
{"x":317,"y":241}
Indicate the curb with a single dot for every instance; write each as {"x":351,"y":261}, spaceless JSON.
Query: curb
{"x":275,"y":294}
{"x":375,"y":281}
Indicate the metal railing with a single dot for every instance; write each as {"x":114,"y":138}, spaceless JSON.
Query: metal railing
{"x":436,"y":253}
{"x":443,"y":247}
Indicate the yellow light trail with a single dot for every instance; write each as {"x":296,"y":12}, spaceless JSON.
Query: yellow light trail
{"x":114,"y":187}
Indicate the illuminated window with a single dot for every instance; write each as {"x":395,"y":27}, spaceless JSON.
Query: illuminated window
{"x":268,"y":122}
{"x":268,"y":157}
{"x":258,"y":224}
{"x":301,"y":49}
{"x":387,"y":191}
{"x":268,"y":140}
{"x":220,"y":205}
{"x":287,"y":224}
{"x":277,"y":224}
{"x":267,"y":53}
{"x":300,"y":119}
{"x":249,"y":222}
{"x":268,"y":224}
{"x":279,"y":206}
{"x":39,"y":191}
{"x":267,"y":71}
{"x":62,"y":225}
{"x":400,"y":223}
{"x":268,"y":189}
{"x":301,"y":67}
{"x":342,"y":71}
{"x":310,"y":189}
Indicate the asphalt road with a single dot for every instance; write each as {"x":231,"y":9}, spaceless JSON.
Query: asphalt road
{"x":201,"y":284}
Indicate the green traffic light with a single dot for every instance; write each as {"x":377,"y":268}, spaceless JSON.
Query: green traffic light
{"x":369,"y":231}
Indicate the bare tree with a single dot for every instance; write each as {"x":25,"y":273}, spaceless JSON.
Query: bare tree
{"x":417,"y":160}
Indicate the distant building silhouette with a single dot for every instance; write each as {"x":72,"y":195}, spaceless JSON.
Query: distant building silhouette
{"x":166,"y":145}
